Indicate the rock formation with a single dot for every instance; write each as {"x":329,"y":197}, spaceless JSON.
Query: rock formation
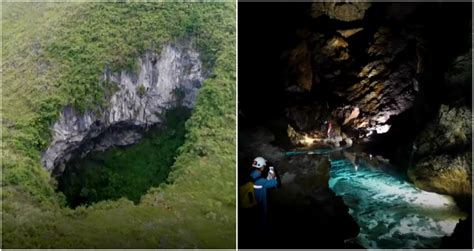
{"x":164,"y":80}
{"x":383,"y":86}
{"x":444,"y":149}
{"x":340,"y":11}
{"x":364,"y":75}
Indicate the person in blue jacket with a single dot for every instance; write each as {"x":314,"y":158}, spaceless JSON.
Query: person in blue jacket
{"x":262,"y":183}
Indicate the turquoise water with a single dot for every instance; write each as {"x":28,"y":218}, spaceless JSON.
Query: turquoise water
{"x":391,"y":212}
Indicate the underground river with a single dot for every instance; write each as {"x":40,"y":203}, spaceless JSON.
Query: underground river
{"x":391,"y":212}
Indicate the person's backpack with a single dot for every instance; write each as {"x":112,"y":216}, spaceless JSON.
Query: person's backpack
{"x":247,"y":195}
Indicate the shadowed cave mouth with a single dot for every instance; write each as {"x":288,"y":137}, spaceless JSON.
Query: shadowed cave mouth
{"x":124,"y":171}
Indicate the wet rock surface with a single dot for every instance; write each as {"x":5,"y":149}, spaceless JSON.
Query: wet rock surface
{"x":169,"y":79}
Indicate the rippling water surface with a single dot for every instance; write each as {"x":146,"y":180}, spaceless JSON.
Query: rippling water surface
{"x":391,"y":212}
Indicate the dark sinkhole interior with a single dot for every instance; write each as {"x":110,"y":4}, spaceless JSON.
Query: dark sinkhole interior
{"x":394,"y":80}
{"x":125,"y":171}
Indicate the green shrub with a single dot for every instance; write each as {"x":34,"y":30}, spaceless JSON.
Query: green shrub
{"x":126,"y":172}
{"x":141,"y":91}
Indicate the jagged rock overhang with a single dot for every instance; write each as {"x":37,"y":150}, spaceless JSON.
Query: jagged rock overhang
{"x":166,"y":80}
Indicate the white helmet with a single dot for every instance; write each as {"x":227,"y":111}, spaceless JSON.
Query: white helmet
{"x":259,"y":162}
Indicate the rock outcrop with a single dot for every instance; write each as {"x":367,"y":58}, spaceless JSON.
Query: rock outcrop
{"x":450,"y":131}
{"x":385,"y":85}
{"x":446,"y":174}
{"x":165,"y":80}
{"x":341,"y":11}
{"x":444,"y":153}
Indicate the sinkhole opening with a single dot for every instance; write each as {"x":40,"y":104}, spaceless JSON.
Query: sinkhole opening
{"x":125,"y":171}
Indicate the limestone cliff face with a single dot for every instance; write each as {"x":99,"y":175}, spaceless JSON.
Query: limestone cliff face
{"x":163,"y":81}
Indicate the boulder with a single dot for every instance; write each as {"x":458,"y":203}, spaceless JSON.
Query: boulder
{"x":446,"y":174}
{"x":443,"y":153}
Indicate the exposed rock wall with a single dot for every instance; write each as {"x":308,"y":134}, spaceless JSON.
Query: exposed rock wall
{"x":444,"y":152}
{"x":378,"y":78}
{"x":169,"y":79}
{"x":369,"y":63}
{"x":446,"y":174}
{"x":450,"y":131}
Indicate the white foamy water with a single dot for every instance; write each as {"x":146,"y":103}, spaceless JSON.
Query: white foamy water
{"x":391,"y":212}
